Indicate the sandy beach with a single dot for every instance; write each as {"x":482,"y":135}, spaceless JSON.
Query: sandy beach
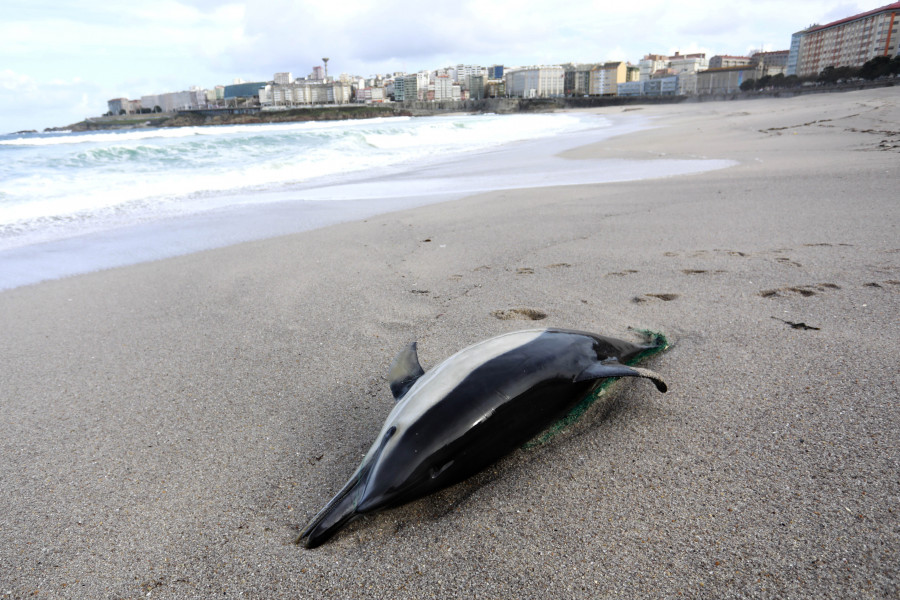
{"x":167,"y":428}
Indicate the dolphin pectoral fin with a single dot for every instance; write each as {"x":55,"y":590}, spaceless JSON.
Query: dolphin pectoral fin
{"x":405,"y":370}
{"x":337,"y":513}
{"x":602,"y":370}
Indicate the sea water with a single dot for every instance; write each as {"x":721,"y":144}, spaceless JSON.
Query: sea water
{"x":77,"y":202}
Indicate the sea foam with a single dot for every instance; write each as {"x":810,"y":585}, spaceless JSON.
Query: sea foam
{"x":78,"y":202}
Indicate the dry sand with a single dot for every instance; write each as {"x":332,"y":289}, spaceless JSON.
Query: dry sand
{"x":166,"y":428}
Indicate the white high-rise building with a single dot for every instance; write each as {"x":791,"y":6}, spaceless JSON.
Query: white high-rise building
{"x":443,"y":88}
{"x":283,"y":78}
{"x":652,"y":63}
{"x":535,"y":82}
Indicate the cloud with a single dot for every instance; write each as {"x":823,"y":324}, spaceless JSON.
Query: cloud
{"x":133,"y":49}
{"x":13,"y":83}
{"x":26,"y":103}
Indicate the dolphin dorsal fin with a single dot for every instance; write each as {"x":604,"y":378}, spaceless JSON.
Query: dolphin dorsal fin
{"x":405,"y":370}
{"x":613,"y":369}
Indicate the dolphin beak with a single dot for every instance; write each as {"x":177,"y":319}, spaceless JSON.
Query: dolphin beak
{"x":337,"y":513}
{"x":343,"y":508}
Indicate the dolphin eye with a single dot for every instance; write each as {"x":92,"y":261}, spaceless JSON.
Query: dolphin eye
{"x":436,"y":471}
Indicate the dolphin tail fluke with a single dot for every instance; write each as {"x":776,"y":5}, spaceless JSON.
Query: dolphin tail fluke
{"x":337,"y":513}
{"x":602,"y":370}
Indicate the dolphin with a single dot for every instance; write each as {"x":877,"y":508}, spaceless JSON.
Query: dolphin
{"x":470,"y":410}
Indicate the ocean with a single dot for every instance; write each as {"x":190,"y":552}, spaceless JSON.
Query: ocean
{"x":77,"y":202}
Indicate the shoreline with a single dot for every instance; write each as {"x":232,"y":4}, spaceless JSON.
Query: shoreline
{"x":168,"y":426}
{"x":317,"y":203}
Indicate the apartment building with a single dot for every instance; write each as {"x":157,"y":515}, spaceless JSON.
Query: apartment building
{"x":848,"y":42}
{"x":283,"y":78}
{"x":463,"y":71}
{"x":535,"y":82}
{"x":338,"y":92}
{"x":370,"y":95}
{"x":443,"y":88}
{"x":605,"y":79}
{"x":412,"y":87}
{"x":123,"y":106}
{"x":724,"y":61}
{"x":475,"y":86}
{"x":658,"y":86}
{"x":173,"y":101}
{"x":725,"y":80}
{"x":242,"y":91}
{"x":772,"y":60}
{"x":577,"y":79}
{"x":794,"y":53}
{"x":652,"y":63}
{"x":305,"y":92}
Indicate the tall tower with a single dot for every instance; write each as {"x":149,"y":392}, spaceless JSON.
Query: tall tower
{"x":325,"y":60}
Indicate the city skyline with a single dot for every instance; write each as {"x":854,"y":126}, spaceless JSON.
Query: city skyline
{"x":61,"y":61}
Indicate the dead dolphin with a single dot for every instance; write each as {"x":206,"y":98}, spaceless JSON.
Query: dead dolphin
{"x":470,"y":410}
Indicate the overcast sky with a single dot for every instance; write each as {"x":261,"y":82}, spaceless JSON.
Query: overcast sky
{"x":60,"y":61}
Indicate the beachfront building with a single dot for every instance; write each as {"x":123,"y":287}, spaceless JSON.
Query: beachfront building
{"x":474,"y":84}
{"x":652,"y":63}
{"x":495,"y":72}
{"x":443,"y":88}
{"x":577,"y":79}
{"x":370,"y":95}
{"x":460,"y":73}
{"x":535,"y":82}
{"x":172,"y":101}
{"x":658,"y":86}
{"x":775,"y":60}
{"x":725,"y":80}
{"x":399,"y":88}
{"x":849,"y":42}
{"x":215,"y":95}
{"x":407,"y":88}
{"x":722,"y":61}
{"x":338,"y":92}
{"x":687,"y":63}
{"x":305,"y":92}
{"x":283,"y":78}
{"x":412,"y":88}
{"x":494,"y":88}
{"x":686,"y":67}
{"x":605,"y":78}
{"x":243,"y":93}
{"x":123,"y":106}
{"x":794,"y":53}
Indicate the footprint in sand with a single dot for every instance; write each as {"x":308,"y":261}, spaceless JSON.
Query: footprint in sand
{"x":788,"y":261}
{"x":803,"y":290}
{"x":524,"y":314}
{"x":663,"y":297}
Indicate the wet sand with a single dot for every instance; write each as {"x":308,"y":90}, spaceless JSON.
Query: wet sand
{"x":166,"y":428}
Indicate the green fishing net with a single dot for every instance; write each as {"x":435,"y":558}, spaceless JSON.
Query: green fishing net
{"x":658,"y":343}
